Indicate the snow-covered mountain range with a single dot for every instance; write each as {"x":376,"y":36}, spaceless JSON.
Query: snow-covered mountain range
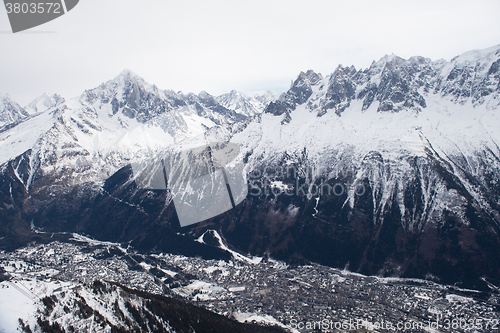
{"x":106,"y":127}
{"x":394,"y":169}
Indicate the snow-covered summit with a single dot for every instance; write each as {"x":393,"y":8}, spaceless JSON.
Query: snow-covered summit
{"x":10,"y":111}
{"x":473,"y":76}
{"x":474,"y":56}
{"x":43,"y":103}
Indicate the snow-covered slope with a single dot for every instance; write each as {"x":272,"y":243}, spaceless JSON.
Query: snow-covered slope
{"x":216,"y":239}
{"x":18,"y":300}
{"x":380,"y":146}
{"x":55,"y":306}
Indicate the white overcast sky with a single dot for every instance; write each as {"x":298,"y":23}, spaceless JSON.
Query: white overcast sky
{"x":222,"y":45}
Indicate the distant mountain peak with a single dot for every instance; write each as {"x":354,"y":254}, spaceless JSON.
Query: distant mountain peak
{"x":125,"y":91}
{"x":5,"y":96}
{"x":44,"y":102}
{"x":309,"y":78}
{"x":236,"y":93}
{"x":203,"y":94}
{"x":244,"y":104}
{"x":10,"y":111}
{"x":129,"y":74}
{"x":129,"y":78}
{"x":477,"y":55}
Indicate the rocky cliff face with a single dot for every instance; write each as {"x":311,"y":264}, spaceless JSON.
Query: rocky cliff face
{"x":391,"y":170}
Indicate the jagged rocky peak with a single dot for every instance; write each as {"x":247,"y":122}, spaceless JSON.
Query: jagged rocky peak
{"x":399,"y":86}
{"x":377,"y":66}
{"x":394,"y":84}
{"x":341,"y":90}
{"x":402,"y":84}
{"x":234,"y":100}
{"x":235,"y":93}
{"x":129,"y":75}
{"x":301,"y":89}
{"x":205,"y":100}
{"x":125,"y":85}
{"x":10,"y":111}
{"x":299,"y":93}
{"x":310,"y":77}
{"x":129,"y":94}
{"x":128,"y":83}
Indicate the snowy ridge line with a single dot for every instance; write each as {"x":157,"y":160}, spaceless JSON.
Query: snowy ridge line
{"x":236,"y":255}
{"x":250,"y":317}
{"x":92,"y":241}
